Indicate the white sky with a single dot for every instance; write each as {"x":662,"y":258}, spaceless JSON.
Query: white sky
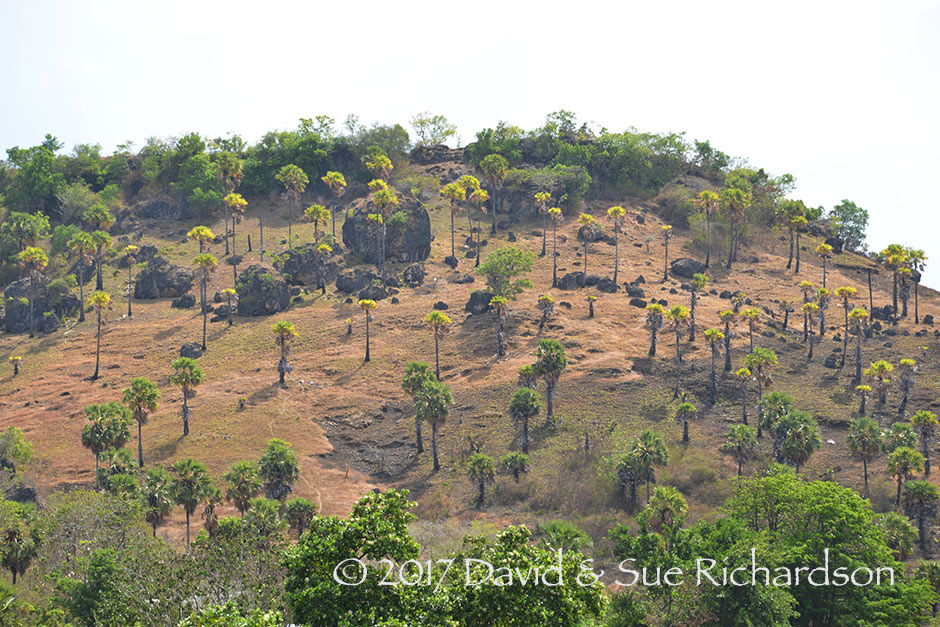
{"x":844,"y":95}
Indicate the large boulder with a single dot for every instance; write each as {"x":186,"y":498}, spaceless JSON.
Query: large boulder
{"x":606,"y":284}
{"x":261,"y":292}
{"x":836,"y":243}
{"x":192,"y":350}
{"x":414,"y":275}
{"x":408,"y":242}
{"x":357,"y":279}
{"x":299,"y":266}
{"x":373,"y":292}
{"x":146,"y":253}
{"x":686,"y":267}
{"x":570,"y":281}
{"x":48,"y":306}
{"x":160,"y":279}
{"x":634,"y":290}
{"x":479,"y":302}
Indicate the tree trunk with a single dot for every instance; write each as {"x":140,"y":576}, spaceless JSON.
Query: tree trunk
{"x":590,"y":309}
{"x":140,"y":446}
{"x":744,"y":404}
{"x":437,"y":465}
{"x":187,"y":529}
{"x":647,"y":490}
{"x":130,"y":291}
{"x":549,"y":397}
{"x":861,"y":406}
{"x":554,"y":254}
{"x":786,"y":319}
{"x":714,"y":382}
{"x":824,"y":273}
{"x":652,"y":342}
{"x":482,"y":490}
{"x":98,"y":284}
{"x":97,"y":349}
{"x":226,"y":228}
{"x":525,"y":435}
{"x":797,"y":271}
{"x":418,"y":434}
{"x":81,"y":289}
{"x":31,"y":299}
{"x":185,"y":414}
{"x":926,"y":449}
{"x":476,"y":263}
{"x":865,"y":472}
{"x":233,"y":235}
{"x":897,"y":501}
{"x":584,"y":274}
{"x":333,"y":219}
{"x":790,"y":260}
{"x":916,"y":310}
{"x":871,"y":298}
{"x":708,"y":238}
{"x":739,"y":467}
{"x":616,"y":255}
{"x":845,"y":337}
{"x":205,"y":309}
{"x":685,"y":430}
{"x":750,"y":332}
{"x":452,"y":248}
{"x":692,"y":318}
{"x":437,"y":358}
{"x":727,"y":346}
{"x":666,"y":262}
{"x":675,"y":394}
{"x":367,"y":338}
{"x":500,"y":347}
{"x":858,"y":359}
{"x":894,"y":297}
{"x":290,"y":224}
{"x":544,"y":235}
{"x":493,"y":230}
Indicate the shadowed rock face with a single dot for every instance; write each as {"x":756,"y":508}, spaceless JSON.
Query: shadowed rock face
{"x":409,"y":242}
{"x":299,"y":266}
{"x":160,"y":279}
{"x":47,"y":310}
{"x":686,"y":267}
{"x":261,"y":293}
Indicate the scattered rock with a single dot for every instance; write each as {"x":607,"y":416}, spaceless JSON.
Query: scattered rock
{"x":192,"y":350}
{"x":831,"y":362}
{"x":470,"y":254}
{"x":462,"y":279}
{"x":185,"y":301}
{"x":928,"y":320}
{"x":393,"y":281}
{"x":394,"y":300}
{"x":220,"y":314}
{"x":414,"y":275}
{"x":351,"y":282}
{"x":260,"y":292}
{"x":640,"y":279}
{"x":479,"y":302}
{"x":161,"y":279}
{"x":726,"y":294}
{"x":441,"y":306}
{"x":570,"y":281}
{"x":451,"y":261}
{"x":607,"y":285}
{"x":592,"y":279}
{"x":373,"y":292}
{"x":634,"y":291}
{"x":673,"y":290}
{"x":891,"y":331}
{"x":686,"y":267}
{"x":638,"y":303}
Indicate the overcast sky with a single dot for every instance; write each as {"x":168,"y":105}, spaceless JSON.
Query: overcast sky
{"x":843,"y":95}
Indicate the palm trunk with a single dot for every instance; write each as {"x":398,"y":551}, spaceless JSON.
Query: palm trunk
{"x":708,"y":238}
{"x":666,"y":262}
{"x":140,"y":446}
{"x":865,"y":472}
{"x":544,"y":234}
{"x":233,"y":235}
{"x":797,"y":271}
{"x":32,"y":324}
{"x":685,"y":430}
{"x":739,"y":467}
{"x":367,"y":339}
{"x":130,"y":291}
{"x":205,"y":309}
{"x":894,"y":296}
{"x":691,"y":318}
{"x":727,"y":346}
{"x":675,"y":394}
{"x":652,"y":342}
{"x":647,"y":490}
{"x":862,"y":404}
{"x":926,"y":449}
{"x":500,"y":347}
{"x":98,"y":284}
{"x":437,"y":465}
{"x":81,"y":290}
{"x":554,"y":254}
{"x":549,"y":397}
{"x":97,"y":349}
{"x":616,"y":256}
{"x":858,"y":359}
{"x":437,"y":358}
{"x":845,"y":336}
{"x":584,"y":275}
{"x":261,"y":237}
{"x":418,"y":434}
{"x":452,"y":247}
{"x":482,"y":487}
{"x":714,"y":386}
{"x":824,"y":272}
{"x":786,"y":319}
{"x":187,"y":529}
{"x":750,"y":332}
{"x":525,"y":435}
{"x":185,"y":413}
{"x":476,"y":263}
{"x":897,"y":501}
{"x":226,"y":229}
{"x":333,"y":220}
{"x":744,"y":404}
{"x":805,"y":327}
{"x":916,"y":310}
{"x":790,"y":260}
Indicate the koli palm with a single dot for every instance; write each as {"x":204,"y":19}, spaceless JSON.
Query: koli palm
{"x":858,"y":318}
{"x":824,"y":252}
{"x":494,"y":168}
{"x":907,"y":376}
{"x":108,"y":427}
{"x":294,"y":180}
{"x":455,"y":195}
{"x":903,"y":463}
{"x":801,"y":439}
{"x":478,"y":199}
{"x":844,"y":293}
{"x":684,"y":412}
{"x":616,"y":215}
{"x":316,"y":214}
{"x":879,"y":373}
{"x":556,"y":216}
{"x":917,"y":260}
{"x":698,"y":283}
{"x":98,"y":218}
{"x":708,"y":201}
{"x":337,"y":184}
{"x":727,"y":317}
{"x":384,"y":200}
{"x":550,"y":362}
{"x":99,"y":301}
{"x":524,"y":405}
{"x":586,"y":232}
{"x":367,"y":306}
{"x":206,"y":264}
{"x":482,"y":471}
{"x":278,"y":469}
{"x":865,"y":441}
{"x":83,"y":246}
{"x":244,"y":484}
{"x":188,"y":375}
{"x":649,"y":451}
{"x":157,"y":494}
{"x":714,"y":338}
{"x":234,"y":203}
{"x":760,"y":361}
{"x":740,"y":444}
{"x":744,"y":376}
{"x":797,"y":225}
{"x":230,"y":171}
{"x":284,"y":336}
{"x":211,"y":498}
{"x":433,"y":405}
{"x":809,"y":312}
{"x":34,"y":260}
{"x":734,"y":201}
{"x":678,"y":318}
{"x":925,"y":423}
{"x":188,"y":486}
{"x":546,"y":304}
{"x":542,"y":199}
{"x":786,"y":306}
{"x":753,"y":315}
{"x":416,"y":374}
{"x":142,"y":398}
{"x":439,"y":323}
{"x":823,"y":298}
{"x":895,"y":257}
{"x":655,"y":318}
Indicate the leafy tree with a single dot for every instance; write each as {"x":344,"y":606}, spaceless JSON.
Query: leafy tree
{"x":431,"y":129}
{"x":879,"y":373}
{"x":740,"y":444}
{"x":799,"y":437}
{"x":142,"y":398}
{"x":899,"y":534}
{"x":525,"y":404}
{"x":188,"y":375}
{"x":502,"y":266}
{"x":655,"y":317}
{"x":900,"y":434}
{"x":244,"y":484}
{"x":714,"y":338}
{"x":294,"y":180}
{"x":83,"y":247}
{"x":494,"y":169}
{"x":158,"y":496}
{"x":920,"y":503}
{"x":649,"y":451}
{"x":367,"y":306}
{"x":849,"y":222}
{"x":299,"y":512}
{"x":284,"y":334}
{"x":907,"y":371}
{"x":189,"y":485}
{"x":417,"y":373}
{"x":858,"y":319}
{"x":379,"y":165}
{"x":481,"y":471}
{"x":278,"y":469}
{"x":230,"y":615}
{"x":20,"y":536}
{"x":760,"y":361}
{"x":108,"y":426}
{"x":667,"y":235}
{"x":865,"y":440}
{"x":698,"y":283}
{"x":439,"y":322}
{"x":14,"y":449}
{"x":515,"y":463}
{"x":206,"y":264}
{"x":34,"y":260}
{"x":903,"y":462}
{"x":236,"y":205}
{"x":337,"y":184}
{"x":678,"y":317}
{"x":432,"y":405}
{"x":22,"y":230}
{"x":925,"y":423}
{"x":550,"y":362}
{"x":455,"y":194}
{"x":99,"y":301}
{"x":752,"y":314}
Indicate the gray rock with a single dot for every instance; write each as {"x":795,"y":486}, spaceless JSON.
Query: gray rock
{"x":373,"y":292}
{"x":479,"y":302}
{"x":462,"y":279}
{"x":836,"y":244}
{"x":451,"y":261}
{"x":638,"y":303}
{"x":160,"y":279}
{"x":831,"y":362}
{"x":300,"y":265}
{"x":408,"y":242}
{"x":441,"y":306}
{"x":414,"y":275}
{"x":686,"y":267}
{"x":192,"y":350}
{"x":570,"y":281}
{"x":351,"y":282}
{"x":607,"y":285}
{"x":185,"y":301}
{"x":260,"y":292}
{"x":591,"y":279}
{"x":47,"y":307}
{"x":634,"y":291}
{"x":928,"y":320}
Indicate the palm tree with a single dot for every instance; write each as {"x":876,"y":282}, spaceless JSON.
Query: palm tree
{"x":917,"y":260}
{"x":130,"y":251}
{"x":678,"y":317}
{"x":100,"y":301}
{"x":616,"y":214}
{"x":494,"y":168}
{"x":585,"y":220}
{"x":337,"y":184}
{"x":667,"y":234}
{"x":708,"y":201}
{"x":83,"y":246}
{"x":439,"y":322}
{"x":416,"y":374}
{"x":231,"y":298}
{"x":454,"y":194}
{"x":824,"y":252}
{"x":469,"y":184}
{"x":556,"y":216}
{"x":108,"y":427}
{"x":316,"y":214}
{"x":384,"y":199}
{"x":432,"y":405}
{"x":809,"y":310}
{"x":142,"y":397}
{"x":734,"y":202}
{"x":925,"y":422}
{"x":244,"y":484}
{"x":879,"y":372}
{"x":188,"y":486}
{"x":284,"y":334}
{"x":797,"y":224}
{"x":864,"y":391}
{"x":822,"y":299}
{"x":903,"y":462}
{"x":234,"y":204}
{"x":683,"y":412}
{"x":550,"y":362}
{"x":478,"y":199}
{"x":774,"y":416}
{"x":753,"y":315}
{"x":698,"y":283}
{"x":743,"y":375}
{"x":790,"y":209}
{"x":99,"y":219}
{"x":649,"y":451}
{"x":367,"y":306}
{"x":907,"y":371}
{"x":278,"y":469}
{"x":481,"y":471}
{"x":546,"y":304}
{"x":206,"y":264}
{"x":714,"y":338}
{"x":201,"y":234}
{"x":15,"y":361}
{"x":801,"y":438}
{"x":542,"y":199}
{"x":759,"y":362}
{"x":740,"y":444}
{"x":786,"y":306}
{"x":515,"y":463}
{"x":320,"y":254}
{"x":524,"y":405}
{"x":900,"y":434}
{"x":299,"y":513}
{"x":727,"y":317}
{"x":188,"y":376}
{"x":294,"y":180}
{"x":665,"y":513}
{"x":34,"y":260}
{"x":499,"y":303}
{"x":212,"y":497}
{"x":865,"y":440}
{"x":157,"y":493}
{"x":655,"y":318}
{"x":590,"y":298}
{"x":844,"y":293}
{"x":628,"y":472}
{"x":230,"y":171}
{"x":895,"y":257}
{"x":920,"y":503}
{"x":859,"y":321}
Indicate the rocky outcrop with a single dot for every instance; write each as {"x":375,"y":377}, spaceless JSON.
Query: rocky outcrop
{"x":407,"y":242}
{"x":299,"y":266}
{"x":413,"y":275}
{"x":146,"y":253}
{"x":606,"y":284}
{"x":160,"y":210}
{"x":260,"y":292}
{"x":373,"y":292}
{"x":438,"y":153}
{"x":479,"y":302}
{"x":48,"y":308}
{"x":686,"y":267}
{"x":836,"y":243}
{"x":570,"y":281}
{"x":160,"y":279}
{"x":192,"y":350}
{"x":355,"y":280}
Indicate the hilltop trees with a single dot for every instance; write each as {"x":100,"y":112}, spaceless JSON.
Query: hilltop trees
{"x":439,"y":323}
{"x":188,"y":375}
{"x":189,"y":486}
{"x":294,"y":180}
{"x":550,"y":362}
{"x":524,"y":405}
{"x":740,"y":444}
{"x":141,"y":398}
{"x":734,"y":201}
{"x":367,"y":306}
{"x":99,"y":301}
{"x":278,"y":469}
{"x":108,"y":427}
{"x":284,"y":335}
{"x":849,"y":221}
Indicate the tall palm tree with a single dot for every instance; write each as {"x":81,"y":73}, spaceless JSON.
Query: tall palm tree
{"x":550,"y":362}
{"x":99,"y":220}
{"x":667,"y":235}
{"x":925,"y":423}
{"x":858,"y":318}
{"x":108,"y":427}
{"x":499,"y":303}
{"x":879,"y":373}
{"x":515,"y":463}
{"x":740,"y":444}
{"x":734,"y":202}
{"x":278,"y":469}
{"x":142,"y":398}
{"x":482,"y":471}
{"x":727,"y":317}
{"x":201,"y":234}
{"x":494,"y":168}
{"x":99,"y":301}
{"x":316,"y":214}
{"x":34,"y":260}
{"x":786,"y":306}
{"x":797,"y":224}
{"x":157,"y":493}
{"x":920,"y":502}
{"x":439,"y":322}
{"x":655,"y":318}
{"x":454,"y":194}
{"x":130,"y":252}
{"x":824,"y":252}
{"x":760,"y":361}
{"x":478,"y":199}
{"x":234,"y":206}
{"x":863,"y":391}
{"x":244,"y":484}
{"x":206,"y":264}
{"x":744,"y":376}
{"x":555,"y":214}
{"x":698,"y":283}
{"x":903,"y":463}
{"x":320,"y":254}
{"x":684,"y":412}
{"x":917,"y":260}
{"x":678,"y":317}
{"x":790,"y":209}
{"x":714,"y":338}
{"x":231,"y":298}
{"x":230,"y":171}
{"x":801,"y":439}
{"x":212,"y":497}
{"x":907,"y":371}
{"x":895,"y":257}
{"x":809,"y":311}
{"x":844,"y":293}
{"x":188,"y":375}
{"x":665,"y":513}
{"x":188,"y":486}
{"x":708,"y":201}
{"x":865,"y":440}
{"x":546,"y":304}
{"x":294,"y":180}
{"x":337,"y":184}
{"x":542,"y":199}
{"x":384,"y":200}
{"x":433,"y":405}
{"x":616,"y":214}
{"x":823,"y":297}
{"x":284,"y":335}
{"x":83,"y":246}
{"x":585,"y":220}
{"x":524,"y":405}
{"x":367,"y":306}
{"x":753,"y":315}
{"x":649,"y":451}
{"x":416,"y":374}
